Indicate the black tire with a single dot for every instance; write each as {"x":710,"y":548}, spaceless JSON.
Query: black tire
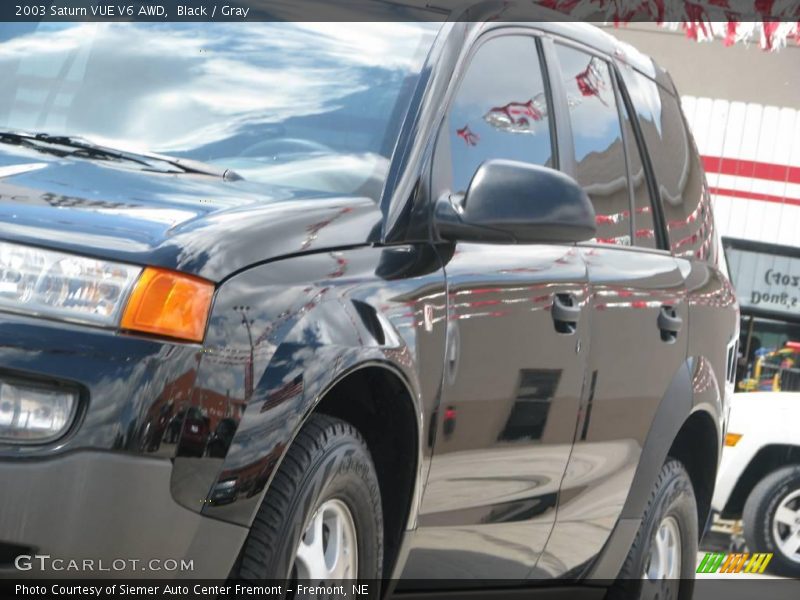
{"x":327,"y":460}
{"x":759,"y":513}
{"x":672,"y":496}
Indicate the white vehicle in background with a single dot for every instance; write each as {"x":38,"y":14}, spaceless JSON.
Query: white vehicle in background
{"x":758,"y":481}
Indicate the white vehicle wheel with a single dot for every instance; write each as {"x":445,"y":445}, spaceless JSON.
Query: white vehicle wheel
{"x":772,"y":520}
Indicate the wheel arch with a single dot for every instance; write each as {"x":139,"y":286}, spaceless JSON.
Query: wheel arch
{"x":768,"y":459}
{"x":353,"y":396}
{"x":696,"y":446}
{"x":687,"y":427}
{"x":378,"y":401}
{"x":684,"y":410}
{"x":673,"y":411}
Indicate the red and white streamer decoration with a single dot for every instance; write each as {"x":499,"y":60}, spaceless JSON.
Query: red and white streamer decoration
{"x":770,"y":23}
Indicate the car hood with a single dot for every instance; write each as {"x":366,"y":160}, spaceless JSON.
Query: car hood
{"x":198,"y":224}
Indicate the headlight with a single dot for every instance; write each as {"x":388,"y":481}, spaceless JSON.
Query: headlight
{"x":34,"y":414}
{"x":63,"y":286}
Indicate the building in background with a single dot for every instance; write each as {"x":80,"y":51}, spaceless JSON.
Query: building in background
{"x":743,"y":105}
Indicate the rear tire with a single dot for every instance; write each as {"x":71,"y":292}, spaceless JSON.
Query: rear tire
{"x":327,"y":478}
{"x":661,"y":561}
{"x":778,"y":491}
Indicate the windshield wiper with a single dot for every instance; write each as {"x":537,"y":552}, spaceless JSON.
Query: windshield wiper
{"x":76,"y":147}
{"x":62,"y":145}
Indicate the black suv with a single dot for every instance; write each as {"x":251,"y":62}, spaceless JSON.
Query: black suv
{"x":391,"y":300}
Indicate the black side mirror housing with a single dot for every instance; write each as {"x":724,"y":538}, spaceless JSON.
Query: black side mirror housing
{"x":515,"y":202}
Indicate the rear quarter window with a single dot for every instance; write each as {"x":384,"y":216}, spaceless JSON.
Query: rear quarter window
{"x":679,"y":176}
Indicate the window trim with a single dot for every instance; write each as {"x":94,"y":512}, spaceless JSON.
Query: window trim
{"x":662,"y":237}
{"x":626,"y":153}
{"x":555,"y":142}
{"x":560,"y":110}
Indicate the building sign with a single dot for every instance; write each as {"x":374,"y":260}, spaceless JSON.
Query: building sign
{"x":766,"y":278}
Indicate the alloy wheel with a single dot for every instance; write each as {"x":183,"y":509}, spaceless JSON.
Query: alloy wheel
{"x":662,"y":570}
{"x":328,"y":549}
{"x":786,"y":527}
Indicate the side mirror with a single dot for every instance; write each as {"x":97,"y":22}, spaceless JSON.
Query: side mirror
{"x":515,"y":202}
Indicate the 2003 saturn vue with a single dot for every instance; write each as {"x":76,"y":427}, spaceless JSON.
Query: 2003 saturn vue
{"x":394,"y":300}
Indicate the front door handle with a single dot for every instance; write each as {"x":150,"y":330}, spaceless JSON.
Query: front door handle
{"x":566,"y":313}
{"x":669,"y":323}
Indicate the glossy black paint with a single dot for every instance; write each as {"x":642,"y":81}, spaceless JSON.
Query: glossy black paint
{"x":628,"y":289}
{"x":510,"y":201}
{"x":125,"y":381}
{"x":142,"y":217}
{"x":369,"y":307}
{"x":508,"y":417}
{"x":537,"y":374}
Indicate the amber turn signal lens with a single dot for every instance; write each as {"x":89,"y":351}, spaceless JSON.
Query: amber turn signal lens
{"x":169,"y":304}
{"x":731,"y":439}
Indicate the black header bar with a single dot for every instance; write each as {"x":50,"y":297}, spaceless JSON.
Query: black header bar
{"x":397,"y":10}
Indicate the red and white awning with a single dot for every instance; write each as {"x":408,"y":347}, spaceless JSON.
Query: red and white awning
{"x":770,"y":23}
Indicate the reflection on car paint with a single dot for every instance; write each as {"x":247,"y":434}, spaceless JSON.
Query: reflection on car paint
{"x":299,"y":332}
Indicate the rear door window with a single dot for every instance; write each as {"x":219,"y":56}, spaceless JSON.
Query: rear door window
{"x":599,"y":154}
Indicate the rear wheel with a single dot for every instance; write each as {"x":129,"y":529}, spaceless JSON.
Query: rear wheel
{"x":772,"y":520}
{"x":661,"y":561}
{"x":321,"y":518}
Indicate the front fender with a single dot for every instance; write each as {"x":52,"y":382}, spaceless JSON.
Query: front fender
{"x":281,"y":335}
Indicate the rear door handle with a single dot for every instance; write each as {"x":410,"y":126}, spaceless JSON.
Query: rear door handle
{"x":566,"y":313}
{"x":669,"y":323}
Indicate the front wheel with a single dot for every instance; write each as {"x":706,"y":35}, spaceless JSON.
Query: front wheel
{"x":772,"y":520}
{"x":661,"y":561}
{"x":320,"y":520}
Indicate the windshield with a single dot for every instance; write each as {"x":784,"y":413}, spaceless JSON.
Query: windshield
{"x":314,"y":106}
